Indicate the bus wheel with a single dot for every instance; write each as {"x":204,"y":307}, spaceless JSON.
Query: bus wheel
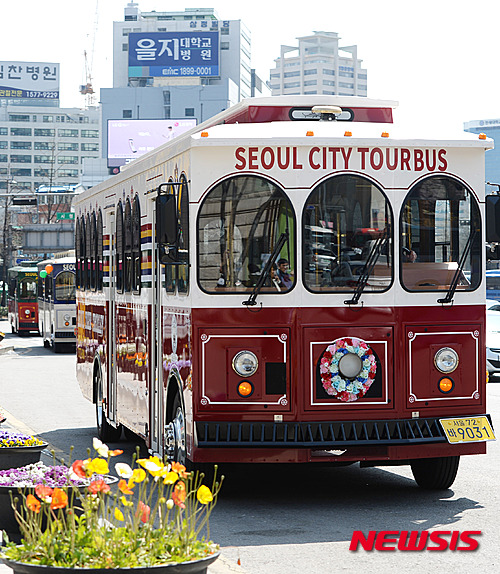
{"x":105,"y":431}
{"x":175,"y":434}
{"x":435,"y":473}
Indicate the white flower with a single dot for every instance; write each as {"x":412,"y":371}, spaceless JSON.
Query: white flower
{"x":123,"y":470}
{"x":100,"y":447}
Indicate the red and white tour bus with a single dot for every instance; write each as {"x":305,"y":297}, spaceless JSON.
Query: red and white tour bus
{"x":299,"y":279}
{"x":21,"y":298}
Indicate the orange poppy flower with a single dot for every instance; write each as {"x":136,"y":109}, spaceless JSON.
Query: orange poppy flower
{"x":179,"y":494}
{"x":116,"y":452}
{"x":43,"y":492}
{"x":33,"y":503}
{"x":78,"y":469}
{"x":144,"y":510}
{"x":98,"y":486}
{"x":124,"y":487}
{"x":180,"y":469}
{"x":59,"y":499}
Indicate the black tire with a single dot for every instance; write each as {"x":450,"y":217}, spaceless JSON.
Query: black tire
{"x":176,"y":433}
{"x":105,"y":431}
{"x":435,"y":473}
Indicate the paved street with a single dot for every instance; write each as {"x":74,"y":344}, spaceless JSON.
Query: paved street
{"x":282,"y":519}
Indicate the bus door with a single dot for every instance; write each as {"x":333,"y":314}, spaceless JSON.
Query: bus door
{"x":111,"y":323}
{"x":155,"y":346}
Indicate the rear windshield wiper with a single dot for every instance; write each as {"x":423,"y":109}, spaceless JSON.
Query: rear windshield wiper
{"x":372,"y":259}
{"x":456,"y":277}
{"x":252,"y":300}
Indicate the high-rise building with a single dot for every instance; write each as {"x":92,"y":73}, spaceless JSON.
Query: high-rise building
{"x":186,"y":65}
{"x":318,"y":65}
{"x":491,"y":128}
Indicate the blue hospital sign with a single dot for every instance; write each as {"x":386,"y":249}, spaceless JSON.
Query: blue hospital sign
{"x":164,"y":54}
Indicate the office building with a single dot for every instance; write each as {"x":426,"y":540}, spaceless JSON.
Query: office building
{"x":176,"y":66}
{"x":491,"y":128}
{"x":318,"y":65}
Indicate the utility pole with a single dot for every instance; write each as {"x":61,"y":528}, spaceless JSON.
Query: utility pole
{"x":6,"y":241}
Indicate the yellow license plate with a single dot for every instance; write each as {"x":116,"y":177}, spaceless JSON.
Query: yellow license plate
{"x":474,"y":429}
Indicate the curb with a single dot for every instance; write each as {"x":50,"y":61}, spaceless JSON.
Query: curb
{"x":4,"y":350}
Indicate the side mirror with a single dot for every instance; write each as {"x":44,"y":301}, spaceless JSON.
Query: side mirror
{"x":493,"y":218}
{"x":167,"y":228}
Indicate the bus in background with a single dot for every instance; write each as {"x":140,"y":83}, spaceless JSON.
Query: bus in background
{"x":22,"y":298}
{"x":57,"y":302}
{"x":297,"y":280}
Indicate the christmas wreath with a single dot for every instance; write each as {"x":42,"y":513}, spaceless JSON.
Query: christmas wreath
{"x":347,"y":369}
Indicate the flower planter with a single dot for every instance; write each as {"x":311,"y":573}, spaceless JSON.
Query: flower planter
{"x":192,"y":567}
{"x":14,"y":456}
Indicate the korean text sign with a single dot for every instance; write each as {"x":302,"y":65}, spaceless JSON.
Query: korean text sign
{"x":29,"y":80}
{"x":164,"y":54}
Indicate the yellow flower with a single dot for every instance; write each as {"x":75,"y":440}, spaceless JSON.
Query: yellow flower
{"x":170,"y":478}
{"x":126,"y":502}
{"x":152,"y":464}
{"x":98,"y":466}
{"x":119,"y":514}
{"x":137,"y":476}
{"x":204,"y":495}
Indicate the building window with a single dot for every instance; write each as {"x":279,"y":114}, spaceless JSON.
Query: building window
{"x":310,"y":83}
{"x":189,"y":112}
{"x":126,"y":114}
{"x":65,"y":146}
{"x":124,"y":47}
{"x":44,"y":145}
{"x":90,"y":133}
{"x":47,"y":119}
{"x":291,"y":74}
{"x":20,"y":145}
{"x":4,"y":131}
{"x":90,"y":147}
{"x":224,"y":45}
{"x":14,"y":158}
{"x":311,"y":72}
{"x":4,"y":145}
{"x":67,"y":133}
{"x":21,"y":172}
{"x":344,"y":85}
{"x":292,"y":85}
{"x":45,"y":133}
{"x":327,"y":72}
{"x":67,"y":159}
{"x":43,"y":159}
{"x":328,"y":83}
{"x":346,"y":74}
{"x":19,"y":118}
{"x":20,"y":131}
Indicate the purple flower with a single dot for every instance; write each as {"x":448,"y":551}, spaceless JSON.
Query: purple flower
{"x":12,"y":439}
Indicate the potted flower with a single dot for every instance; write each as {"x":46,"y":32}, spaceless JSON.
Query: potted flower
{"x":27,"y":478}
{"x":18,"y":449}
{"x":155,"y":519}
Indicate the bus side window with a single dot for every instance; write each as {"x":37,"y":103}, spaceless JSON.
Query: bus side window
{"x":99,"y":256}
{"x":88,"y":253}
{"x":128,"y":247}
{"x":119,"y":248}
{"x":136,"y":246}
{"x":183,"y":270}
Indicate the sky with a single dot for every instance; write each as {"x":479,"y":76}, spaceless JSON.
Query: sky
{"x":438,"y":58}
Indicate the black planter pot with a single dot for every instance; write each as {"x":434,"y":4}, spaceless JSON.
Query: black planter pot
{"x":193,"y":567}
{"x":14,"y":456}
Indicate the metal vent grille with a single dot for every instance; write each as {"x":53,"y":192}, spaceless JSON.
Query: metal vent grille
{"x":323,"y":434}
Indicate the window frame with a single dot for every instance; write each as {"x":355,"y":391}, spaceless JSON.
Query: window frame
{"x":390,"y":227}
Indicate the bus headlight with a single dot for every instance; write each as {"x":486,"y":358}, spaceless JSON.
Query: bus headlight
{"x":245,"y":363}
{"x":446,"y":360}
{"x":67,"y":317}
